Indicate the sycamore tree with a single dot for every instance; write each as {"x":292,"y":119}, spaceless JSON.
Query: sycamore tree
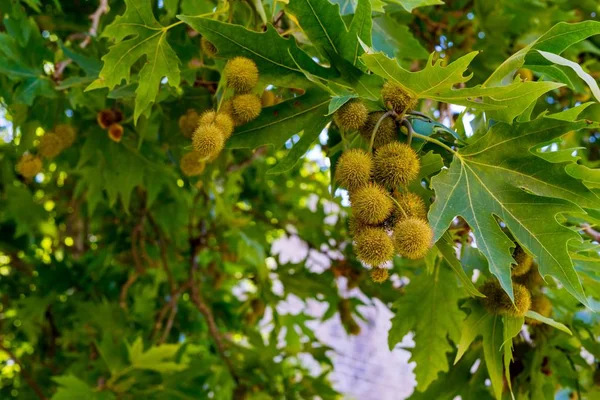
{"x":154,"y":151}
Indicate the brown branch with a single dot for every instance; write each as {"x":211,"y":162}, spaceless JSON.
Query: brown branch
{"x":125,"y":288}
{"x":163,"y":252}
{"x":170,"y":304}
{"x":28,"y":378}
{"x":591,"y":232}
{"x":258,"y":153}
{"x":95,"y":17}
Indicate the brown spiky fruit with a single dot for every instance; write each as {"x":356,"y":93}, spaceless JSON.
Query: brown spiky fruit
{"x":221,"y":119}
{"x":395,"y":164}
{"x":379,"y":275}
{"x":413,"y":238}
{"x":373,"y":246}
{"x":524,"y":262}
{"x":66,"y":133}
{"x":386,"y":133}
{"x":115,"y":132}
{"x":192,"y":164}
{"x":498,"y":302}
{"x":241,"y":74}
{"x":371,"y":204}
{"x":412,"y":205}
{"x":188,"y":123}
{"x":246,"y":107}
{"x":29,"y":165}
{"x":108,"y":117}
{"x":352,"y":115}
{"x":398,"y":98}
{"x":542,"y":305}
{"x":353,"y":169}
{"x":208,"y":140}
{"x":50,"y":145}
{"x":355,"y":226}
{"x":208,"y":48}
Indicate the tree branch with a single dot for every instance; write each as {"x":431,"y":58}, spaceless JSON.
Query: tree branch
{"x":28,"y":378}
{"x":95,"y":17}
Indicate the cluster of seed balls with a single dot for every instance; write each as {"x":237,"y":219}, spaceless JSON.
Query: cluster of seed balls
{"x":211,"y":129}
{"x":110,"y":119}
{"x":386,"y":219}
{"x":527,"y":283}
{"x":51,"y":144}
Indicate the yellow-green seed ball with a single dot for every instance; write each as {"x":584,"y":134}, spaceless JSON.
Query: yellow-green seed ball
{"x":412,"y":204}
{"x":373,"y":246}
{"x":352,"y":115}
{"x":208,"y":48}
{"x":29,"y":165}
{"x":400,"y":99}
{"x":269,"y":98}
{"x":542,"y":305}
{"x":50,"y":145}
{"x":532,"y":280}
{"x":353,"y":169}
{"x":413,"y":238}
{"x":379,"y":275}
{"x":188,"y":123}
{"x":246,"y":107}
{"x":208,"y":140}
{"x":371,"y":204}
{"x":386,"y":133}
{"x":241,"y":74}
{"x":66,"y":133}
{"x":192,"y":164}
{"x":498,"y":302}
{"x":524,"y":262}
{"x":395,"y":164}
{"x":223,"y":120}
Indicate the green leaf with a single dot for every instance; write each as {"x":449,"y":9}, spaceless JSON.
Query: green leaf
{"x":490,"y":327}
{"x":593,"y":85}
{"x":410,"y":5}
{"x":447,"y":251}
{"x":429,"y":309}
{"x":512,"y":327}
{"x":273,"y":54}
{"x":322,"y":23}
{"x":556,"y":40}
{"x":549,"y":321}
{"x":276,"y":124}
{"x":156,"y":358}
{"x":498,"y":176}
{"x":148,"y":40}
{"x":71,"y":387}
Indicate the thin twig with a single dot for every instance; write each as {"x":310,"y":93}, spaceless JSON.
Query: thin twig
{"x":591,"y":232}
{"x":125,"y":288}
{"x":406,"y":123}
{"x":95,"y":17}
{"x":258,"y":153}
{"x":163,"y":252}
{"x":28,"y":378}
{"x":377,"y":125}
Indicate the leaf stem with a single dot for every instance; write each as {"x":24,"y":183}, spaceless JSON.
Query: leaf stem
{"x":409,"y":128}
{"x":435,"y":141}
{"x":377,"y":125}
{"x":398,"y":205}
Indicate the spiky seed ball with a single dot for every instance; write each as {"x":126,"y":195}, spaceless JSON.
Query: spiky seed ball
{"x":352,"y":115}
{"x":223,"y":120}
{"x":387,"y":132}
{"x":524,"y":262}
{"x":542,"y":305}
{"x":373,"y":246}
{"x":227,"y":107}
{"x":246,"y":107}
{"x":269,"y":98}
{"x":66,"y":133}
{"x":412,"y":204}
{"x":498,"y":302}
{"x":115,"y":132}
{"x":355,"y":226}
{"x":50,"y":145}
{"x":395,"y":164}
{"x":241,"y":74}
{"x":353,"y":169}
{"x":379,"y":275}
{"x":413,"y":238}
{"x":191,"y":164}
{"x":532,"y":280}
{"x":400,"y":99}
{"x":188,"y":123}
{"x":208,"y":140}
{"x":208,"y":48}
{"x":371,"y":204}
{"x":29,"y":165}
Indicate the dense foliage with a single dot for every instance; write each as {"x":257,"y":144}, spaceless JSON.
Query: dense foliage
{"x":137,"y":255}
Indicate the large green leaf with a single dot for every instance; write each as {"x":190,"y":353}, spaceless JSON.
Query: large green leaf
{"x":147,"y":38}
{"x":429,"y":309}
{"x":156,"y":358}
{"x":322,"y":23}
{"x":278,"y":59}
{"x":498,"y":176}
{"x":560,"y":37}
{"x":276,"y":124}
{"x":591,"y":82}
{"x":410,"y":5}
